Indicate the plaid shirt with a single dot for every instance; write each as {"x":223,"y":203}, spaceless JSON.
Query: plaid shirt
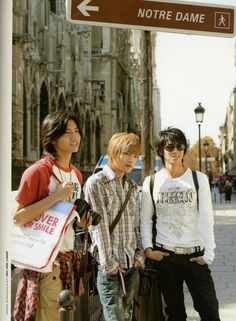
{"x":27,"y":292}
{"x":106,"y":194}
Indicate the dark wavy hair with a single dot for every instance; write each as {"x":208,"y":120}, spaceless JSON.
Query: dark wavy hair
{"x":170,"y":135}
{"x":53,"y":127}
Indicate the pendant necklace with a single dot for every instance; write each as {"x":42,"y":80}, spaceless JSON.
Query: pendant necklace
{"x":64,"y":180}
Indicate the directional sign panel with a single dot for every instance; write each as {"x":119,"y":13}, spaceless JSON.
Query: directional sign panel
{"x":181,"y":17}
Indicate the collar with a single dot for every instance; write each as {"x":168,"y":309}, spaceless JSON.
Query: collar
{"x":111,"y":175}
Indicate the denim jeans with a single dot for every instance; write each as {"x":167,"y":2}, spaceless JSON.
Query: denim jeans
{"x":173,"y":270}
{"x":116,"y":305}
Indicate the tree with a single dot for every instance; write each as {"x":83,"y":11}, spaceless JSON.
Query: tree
{"x":192,"y":160}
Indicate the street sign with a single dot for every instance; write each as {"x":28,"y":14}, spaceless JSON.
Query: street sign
{"x":181,"y":17}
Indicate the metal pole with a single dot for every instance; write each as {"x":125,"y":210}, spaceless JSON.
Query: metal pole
{"x":199,"y":147}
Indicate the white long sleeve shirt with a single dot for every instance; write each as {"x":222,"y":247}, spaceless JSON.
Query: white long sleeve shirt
{"x":179,"y":223}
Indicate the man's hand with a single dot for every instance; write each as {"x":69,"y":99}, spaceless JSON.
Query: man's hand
{"x":155,"y":255}
{"x":199,"y":260}
{"x":64,"y":190}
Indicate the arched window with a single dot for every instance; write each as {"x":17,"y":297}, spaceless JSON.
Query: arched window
{"x":44,"y":108}
{"x":53,"y":6}
{"x":25,"y":122}
{"x":88,"y":138}
{"x":33,"y":120}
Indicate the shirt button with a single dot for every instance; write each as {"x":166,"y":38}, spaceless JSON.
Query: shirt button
{"x":54,"y":278}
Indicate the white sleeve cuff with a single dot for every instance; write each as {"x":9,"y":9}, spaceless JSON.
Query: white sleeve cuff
{"x":207,"y":260}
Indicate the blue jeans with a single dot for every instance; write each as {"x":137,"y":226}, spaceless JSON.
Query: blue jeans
{"x":173,"y":270}
{"x":116,"y":305}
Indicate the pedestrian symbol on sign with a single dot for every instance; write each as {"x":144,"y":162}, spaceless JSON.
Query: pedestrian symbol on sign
{"x":222,"y":20}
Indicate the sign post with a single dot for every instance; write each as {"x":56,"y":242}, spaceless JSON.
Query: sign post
{"x":171,"y":16}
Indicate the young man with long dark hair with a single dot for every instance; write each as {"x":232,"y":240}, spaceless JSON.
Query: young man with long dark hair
{"x":51,"y":179}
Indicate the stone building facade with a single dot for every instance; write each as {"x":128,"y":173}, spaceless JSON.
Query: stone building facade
{"x":96,"y":72}
{"x":227,"y":137}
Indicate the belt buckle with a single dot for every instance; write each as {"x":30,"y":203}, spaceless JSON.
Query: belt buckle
{"x":180,"y":250}
{"x":183,"y":250}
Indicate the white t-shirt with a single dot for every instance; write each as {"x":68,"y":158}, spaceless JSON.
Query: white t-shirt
{"x":179,"y":223}
{"x":41,"y":179}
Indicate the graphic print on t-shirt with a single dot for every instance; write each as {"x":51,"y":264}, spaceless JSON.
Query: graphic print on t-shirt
{"x":175,"y":206}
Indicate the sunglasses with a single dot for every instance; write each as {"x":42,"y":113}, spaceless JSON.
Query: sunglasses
{"x":171,"y":147}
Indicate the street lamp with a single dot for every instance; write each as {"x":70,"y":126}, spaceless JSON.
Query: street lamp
{"x":206,"y":147}
{"x":199,"y":113}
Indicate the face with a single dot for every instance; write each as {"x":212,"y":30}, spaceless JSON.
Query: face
{"x":69,"y":142}
{"x":124,"y":163}
{"x":173,"y":153}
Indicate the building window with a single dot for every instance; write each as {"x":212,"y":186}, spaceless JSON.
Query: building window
{"x":53,"y":6}
{"x":33,"y":120}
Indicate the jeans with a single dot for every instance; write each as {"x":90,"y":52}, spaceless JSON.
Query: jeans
{"x":173,"y":270}
{"x":116,"y":305}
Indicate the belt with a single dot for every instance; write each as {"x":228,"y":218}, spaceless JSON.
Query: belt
{"x":181,"y":250}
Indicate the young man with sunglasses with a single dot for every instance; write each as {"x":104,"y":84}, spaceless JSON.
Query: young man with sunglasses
{"x":183,"y":243}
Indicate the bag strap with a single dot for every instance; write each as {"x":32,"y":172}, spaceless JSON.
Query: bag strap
{"x":154,"y":216}
{"x":84,"y":252}
{"x":195,"y":180}
{"x":84,"y":255}
{"x":118,"y":216}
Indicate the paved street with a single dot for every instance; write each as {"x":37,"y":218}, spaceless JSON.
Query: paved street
{"x":224,"y":266}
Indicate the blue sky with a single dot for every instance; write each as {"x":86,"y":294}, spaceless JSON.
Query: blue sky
{"x":192,"y":69}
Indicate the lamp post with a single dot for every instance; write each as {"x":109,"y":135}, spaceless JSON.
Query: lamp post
{"x":199,"y":113}
{"x":206,"y":147}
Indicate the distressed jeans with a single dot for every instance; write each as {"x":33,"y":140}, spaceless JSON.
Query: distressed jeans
{"x":116,"y":305}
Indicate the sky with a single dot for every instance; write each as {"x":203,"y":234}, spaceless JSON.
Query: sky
{"x":193,"y":69}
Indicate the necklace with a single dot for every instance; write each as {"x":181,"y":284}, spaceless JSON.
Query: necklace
{"x":63,"y":180}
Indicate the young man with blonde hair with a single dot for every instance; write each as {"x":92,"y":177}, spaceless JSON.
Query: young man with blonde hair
{"x":119,"y":253}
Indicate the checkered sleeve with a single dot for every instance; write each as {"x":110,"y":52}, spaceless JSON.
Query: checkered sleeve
{"x":95,"y":195}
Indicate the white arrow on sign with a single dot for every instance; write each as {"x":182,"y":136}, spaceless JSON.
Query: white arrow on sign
{"x":83,"y":8}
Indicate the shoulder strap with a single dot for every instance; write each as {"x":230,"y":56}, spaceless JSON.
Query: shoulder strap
{"x":154,"y":216}
{"x":118,"y":216}
{"x":195,"y":180}
{"x":152,"y":179}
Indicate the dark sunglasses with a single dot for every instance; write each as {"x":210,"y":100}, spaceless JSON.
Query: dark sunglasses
{"x":171,"y":147}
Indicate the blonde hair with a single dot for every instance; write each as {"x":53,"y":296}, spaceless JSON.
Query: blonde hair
{"x":123,"y":143}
